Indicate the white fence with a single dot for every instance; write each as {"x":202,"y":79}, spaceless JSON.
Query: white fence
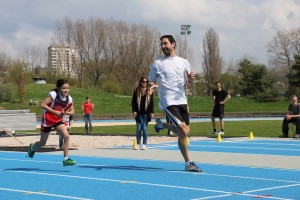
{"x":13,"y":120}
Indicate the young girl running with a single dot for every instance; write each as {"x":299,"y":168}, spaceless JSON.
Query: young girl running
{"x":53,"y":114}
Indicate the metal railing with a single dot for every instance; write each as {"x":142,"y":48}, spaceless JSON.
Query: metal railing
{"x":126,"y":116}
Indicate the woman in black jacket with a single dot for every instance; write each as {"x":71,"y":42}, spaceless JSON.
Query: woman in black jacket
{"x":143,"y":111}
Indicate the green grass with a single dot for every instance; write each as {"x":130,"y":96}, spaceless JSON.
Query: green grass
{"x":264,"y":128}
{"x":107,"y":103}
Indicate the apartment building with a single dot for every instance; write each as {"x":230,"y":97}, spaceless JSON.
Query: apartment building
{"x":61,"y":60}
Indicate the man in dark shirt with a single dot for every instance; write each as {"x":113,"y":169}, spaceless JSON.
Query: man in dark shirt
{"x":292,"y":116}
{"x":220,"y":97}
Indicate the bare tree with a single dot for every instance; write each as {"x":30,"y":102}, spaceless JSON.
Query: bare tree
{"x":35,"y":56}
{"x":5,"y":62}
{"x":212,"y":61}
{"x":282,"y":48}
{"x":109,"y":48}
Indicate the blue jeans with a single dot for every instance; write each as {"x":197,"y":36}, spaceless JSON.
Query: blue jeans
{"x":88,"y":121}
{"x":142,"y":126}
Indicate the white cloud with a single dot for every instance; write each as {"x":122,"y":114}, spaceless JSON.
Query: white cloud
{"x":243,"y":26}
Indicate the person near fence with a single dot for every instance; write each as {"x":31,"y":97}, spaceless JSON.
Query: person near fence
{"x":54,"y":110}
{"x":88,"y":108}
{"x":220,"y":96}
{"x":143,"y":111}
{"x":170,"y":74}
{"x":68,"y":119}
{"x":292,"y":116}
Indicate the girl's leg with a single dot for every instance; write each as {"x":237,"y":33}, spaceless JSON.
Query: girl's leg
{"x":62,"y":130}
{"x":42,"y":142}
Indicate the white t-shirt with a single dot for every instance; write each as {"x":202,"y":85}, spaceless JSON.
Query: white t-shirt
{"x":170,"y":73}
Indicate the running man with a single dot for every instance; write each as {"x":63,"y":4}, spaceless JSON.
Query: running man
{"x":171,"y":73}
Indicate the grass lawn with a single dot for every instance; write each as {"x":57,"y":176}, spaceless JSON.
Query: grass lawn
{"x":264,"y":128}
{"x":108,"y":103}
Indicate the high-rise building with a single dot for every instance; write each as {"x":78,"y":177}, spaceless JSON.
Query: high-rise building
{"x":61,"y":60}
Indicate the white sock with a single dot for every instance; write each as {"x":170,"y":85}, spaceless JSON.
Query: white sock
{"x":187,"y":163}
{"x":66,"y":158}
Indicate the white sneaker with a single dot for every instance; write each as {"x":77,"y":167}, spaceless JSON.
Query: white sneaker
{"x":137,"y":147}
{"x":143,"y":147}
{"x":213,"y":132}
{"x":221,"y":133}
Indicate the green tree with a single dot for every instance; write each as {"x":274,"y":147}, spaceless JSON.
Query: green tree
{"x":294,"y":75}
{"x":257,"y":82}
{"x":252,"y":77}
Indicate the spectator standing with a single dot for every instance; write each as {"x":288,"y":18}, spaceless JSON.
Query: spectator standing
{"x":220,"y":96}
{"x":88,"y":108}
{"x":143,"y":111}
{"x":68,"y":119}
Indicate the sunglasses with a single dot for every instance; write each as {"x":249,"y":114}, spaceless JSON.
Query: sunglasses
{"x":144,"y":81}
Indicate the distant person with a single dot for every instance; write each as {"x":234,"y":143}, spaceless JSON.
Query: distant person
{"x":54,"y":106}
{"x":220,"y":96}
{"x":171,"y":73}
{"x":88,"y":108}
{"x":170,"y":133}
{"x":143,"y":111}
{"x":292,"y":116}
{"x":68,"y":119}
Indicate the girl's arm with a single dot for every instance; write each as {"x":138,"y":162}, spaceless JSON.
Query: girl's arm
{"x":45,"y":106}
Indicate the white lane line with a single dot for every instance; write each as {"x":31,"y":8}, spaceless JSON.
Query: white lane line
{"x":149,"y":169}
{"x":246,"y":193}
{"x":262,"y":143}
{"x":145,"y":183}
{"x":43,"y":194}
{"x":243,"y":177}
{"x":238,"y":147}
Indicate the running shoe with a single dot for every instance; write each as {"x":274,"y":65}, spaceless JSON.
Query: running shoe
{"x":69,"y":162}
{"x":213,"y":132}
{"x":137,"y":147}
{"x":143,"y":147}
{"x":30,"y":152}
{"x":297,"y":136}
{"x":192,"y":167}
{"x":221,"y":133}
{"x":283,"y":136}
{"x":159,"y":125}
{"x":170,"y":133}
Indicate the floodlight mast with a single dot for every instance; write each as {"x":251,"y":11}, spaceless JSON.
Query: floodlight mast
{"x":185,"y":30}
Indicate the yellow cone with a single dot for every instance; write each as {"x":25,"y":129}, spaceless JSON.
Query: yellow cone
{"x":251,"y":137}
{"x":187,"y":141}
{"x":219,"y":138}
{"x":134,"y":146}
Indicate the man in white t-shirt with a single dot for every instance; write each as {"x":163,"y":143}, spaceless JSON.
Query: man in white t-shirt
{"x":169,"y":74}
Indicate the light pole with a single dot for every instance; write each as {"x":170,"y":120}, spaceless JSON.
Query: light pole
{"x":185,"y":30}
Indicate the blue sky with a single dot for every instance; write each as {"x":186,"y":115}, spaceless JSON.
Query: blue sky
{"x":244,"y":26}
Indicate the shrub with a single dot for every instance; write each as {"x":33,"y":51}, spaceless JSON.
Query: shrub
{"x":5,"y":92}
